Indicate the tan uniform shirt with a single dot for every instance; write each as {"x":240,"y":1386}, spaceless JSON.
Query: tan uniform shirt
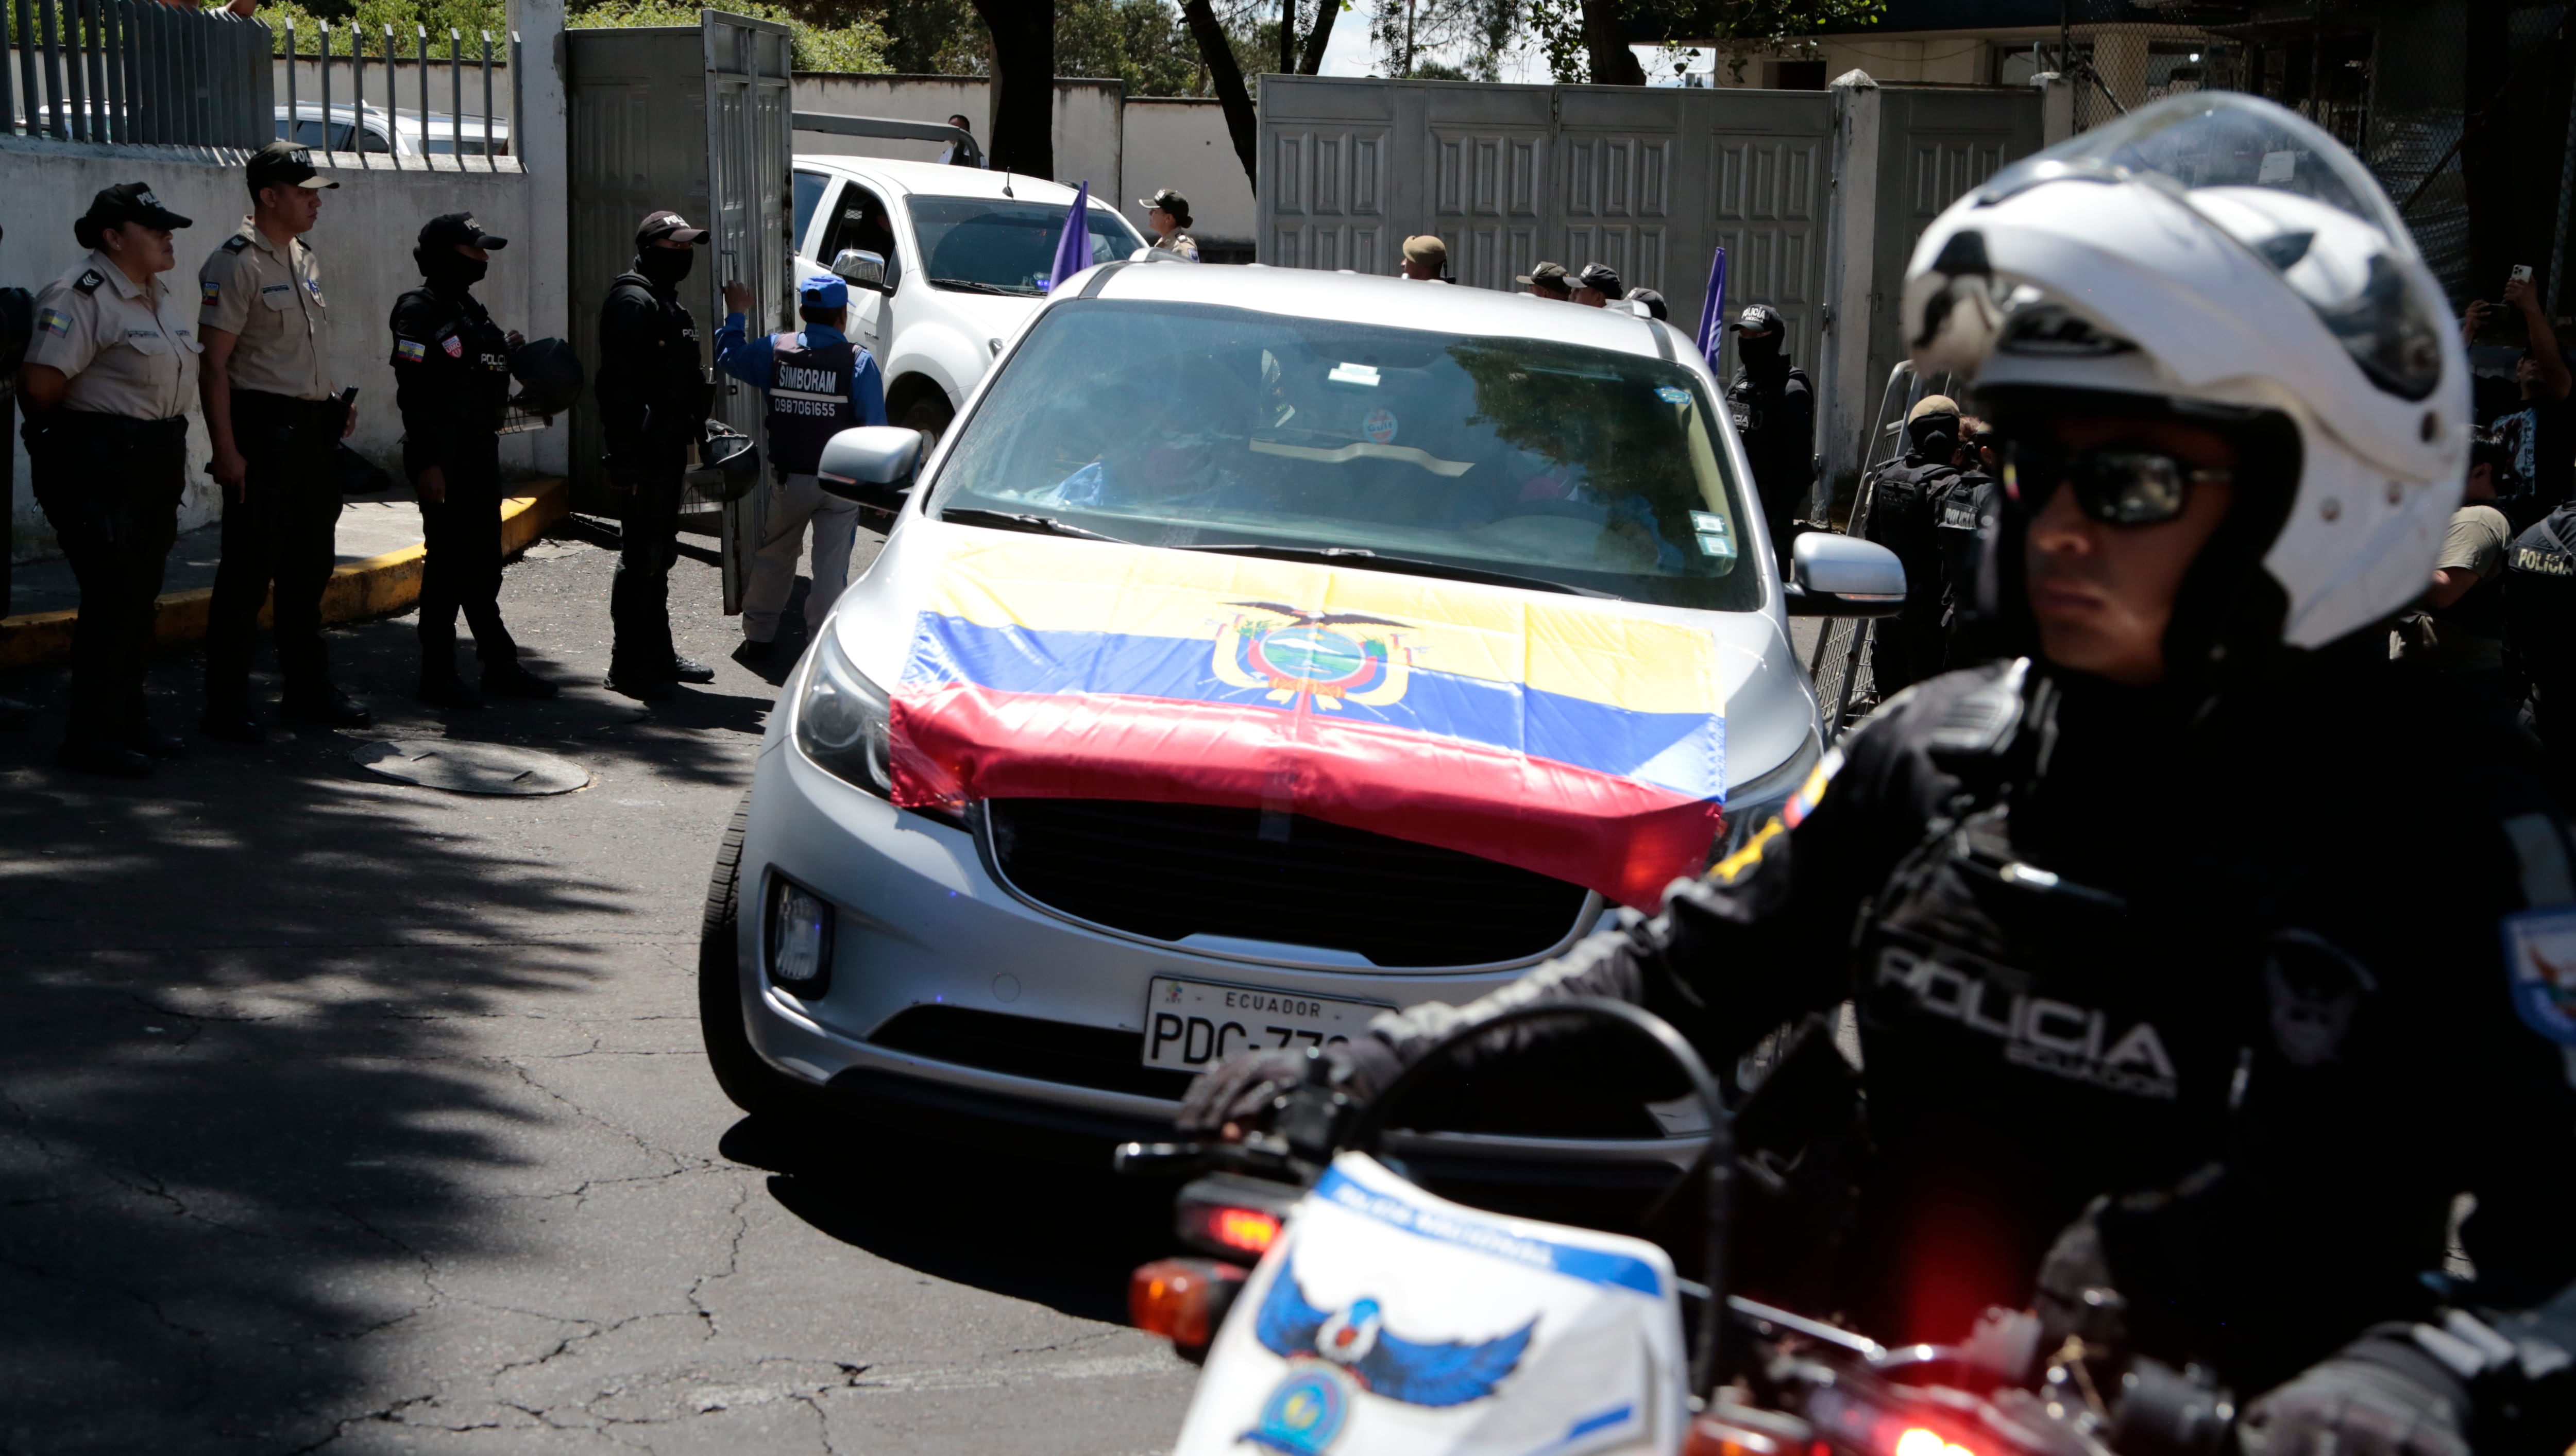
{"x":274,"y":301}
{"x":127,"y":350}
{"x":1181,"y":243}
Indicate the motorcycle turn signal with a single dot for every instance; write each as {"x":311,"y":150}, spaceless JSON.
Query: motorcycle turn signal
{"x":1184,"y":1301}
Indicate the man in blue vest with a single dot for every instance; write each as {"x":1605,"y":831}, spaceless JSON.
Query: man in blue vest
{"x":819,"y":383}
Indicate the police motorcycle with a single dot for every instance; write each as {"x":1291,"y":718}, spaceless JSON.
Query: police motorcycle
{"x":1338,"y":1307}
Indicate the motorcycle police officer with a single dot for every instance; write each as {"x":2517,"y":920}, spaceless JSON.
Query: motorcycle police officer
{"x":1775,"y":414}
{"x":276,"y":419}
{"x":2114,"y":916}
{"x":818,"y":382}
{"x":653,"y":398}
{"x":452,"y":382}
{"x":1904,"y":517}
{"x":107,"y":381}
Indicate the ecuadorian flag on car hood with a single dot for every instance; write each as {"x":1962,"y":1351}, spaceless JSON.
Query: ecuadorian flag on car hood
{"x":1579,"y":739}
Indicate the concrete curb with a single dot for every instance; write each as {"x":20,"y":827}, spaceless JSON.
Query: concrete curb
{"x":375,"y":587}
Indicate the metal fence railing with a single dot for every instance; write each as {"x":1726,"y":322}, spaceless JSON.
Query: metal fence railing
{"x":132,"y":71}
{"x":359,"y":123}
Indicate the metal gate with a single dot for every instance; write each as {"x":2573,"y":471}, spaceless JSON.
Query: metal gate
{"x":695,"y":119}
{"x":1934,"y":145}
{"x":1645,"y":180}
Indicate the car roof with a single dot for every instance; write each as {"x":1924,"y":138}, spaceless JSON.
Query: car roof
{"x":940,"y":180}
{"x":1395,"y":302}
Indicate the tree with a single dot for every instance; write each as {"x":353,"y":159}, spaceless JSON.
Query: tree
{"x":1216,"y":52}
{"x":1023,"y":37}
{"x":1589,"y":40}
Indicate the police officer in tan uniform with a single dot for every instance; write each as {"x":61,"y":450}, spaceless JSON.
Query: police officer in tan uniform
{"x":276,"y":418}
{"x":107,"y":381}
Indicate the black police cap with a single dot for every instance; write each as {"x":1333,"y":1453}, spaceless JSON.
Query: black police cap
{"x":126,"y":202}
{"x":283,"y":163}
{"x":452,"y":229}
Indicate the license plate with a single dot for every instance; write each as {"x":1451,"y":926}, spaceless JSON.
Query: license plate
{"x":1191,"y":1025}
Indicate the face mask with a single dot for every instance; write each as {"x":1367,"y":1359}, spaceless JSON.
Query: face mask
{"x":467,"y":271}
{"x":665,"y":266}
{"x":1757,"y":348}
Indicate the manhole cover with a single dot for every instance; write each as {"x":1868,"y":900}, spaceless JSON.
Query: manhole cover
{"x":471,"y":768}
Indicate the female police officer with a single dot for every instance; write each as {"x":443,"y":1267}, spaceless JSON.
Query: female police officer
{"x":108,"y":376}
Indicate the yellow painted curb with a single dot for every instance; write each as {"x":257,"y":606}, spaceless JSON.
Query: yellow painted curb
{"x":378,"y":586}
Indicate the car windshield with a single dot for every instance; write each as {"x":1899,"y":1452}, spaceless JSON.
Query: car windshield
{"x":1191,"y":425}
{"x":986,"y":245}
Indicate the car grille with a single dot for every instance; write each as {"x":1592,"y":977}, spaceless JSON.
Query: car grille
{"x":1169,"y":871}
{"x":1025,"y":1046}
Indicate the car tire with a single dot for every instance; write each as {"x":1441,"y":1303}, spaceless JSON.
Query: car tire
{"x":748,"y":1082}
{"x":930,"y":413}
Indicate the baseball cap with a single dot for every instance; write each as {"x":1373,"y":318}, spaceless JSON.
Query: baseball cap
{"x":284,"y":164}
{"x":822,"y":290}
{"x":1426,"y":248}
{"x":130,"y":202}
{"x":1169,"y":201}
{"x":450,"y":229}
{"x":1932,"y":404}
{"x":667,"y":224}
{"x":1757,"y":318}
{"x":1651,"y":302}
{"x":1602,"y":278}
{"x":1545,"y":275}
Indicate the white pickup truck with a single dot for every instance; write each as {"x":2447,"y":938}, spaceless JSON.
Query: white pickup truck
{"x":966,"y":256}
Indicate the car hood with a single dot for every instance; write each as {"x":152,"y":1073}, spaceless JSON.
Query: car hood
{"x":1586,"y":740}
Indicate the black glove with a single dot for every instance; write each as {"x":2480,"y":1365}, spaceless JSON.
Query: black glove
{"x":2381,"y":1395}
{"x":1240,"y":1089}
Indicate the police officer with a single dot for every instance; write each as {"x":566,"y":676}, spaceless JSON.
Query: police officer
{"x":452,"y":381}
{"x":2116,"y":917}
{"x":276,"y":418}
{"x":1775,"y":414}
{"x":653,"y":398}
{"x":1168,"y":214}
{"x":818,"y":382}
{"x":2540,"y":633}
{"x":1961,"y":510}
{"x":107,"y":381}
{"x":1903,"y":514}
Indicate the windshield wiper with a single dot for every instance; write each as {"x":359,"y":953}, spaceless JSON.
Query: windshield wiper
{"x":1023,"y":521}
{"x":1366,"y":559}
{"x":971,"y":285}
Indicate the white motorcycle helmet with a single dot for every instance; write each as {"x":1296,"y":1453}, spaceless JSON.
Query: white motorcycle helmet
{"x":2218,"y":258}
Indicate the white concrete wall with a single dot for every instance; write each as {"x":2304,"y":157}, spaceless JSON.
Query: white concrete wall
{"x":364,"y":239}
{"x":1087,"y":131}
{"x":1182,"y":142}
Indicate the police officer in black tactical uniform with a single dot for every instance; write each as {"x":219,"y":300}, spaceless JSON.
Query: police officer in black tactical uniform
{"x":452,"y":382}
{"x":2540,"y":635}
{"x":1775,"y":415}
{"x":2120,"y":920}
{"x":1904,"y":514}
{"x":108,"y":376}
{"x":1961,"y":512}
{"x":653,"y":399}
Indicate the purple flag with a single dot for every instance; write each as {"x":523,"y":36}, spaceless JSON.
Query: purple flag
{"x":1712,"y":312}
{"x":1073,"y":249}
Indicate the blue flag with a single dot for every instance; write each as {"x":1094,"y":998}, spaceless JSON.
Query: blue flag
{"x":1712,"y":314}
{"x":1073,"y":249}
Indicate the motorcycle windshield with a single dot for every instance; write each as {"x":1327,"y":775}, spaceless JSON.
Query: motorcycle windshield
{"x":2294,"y":197}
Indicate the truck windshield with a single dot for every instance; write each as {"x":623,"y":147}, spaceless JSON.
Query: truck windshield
{"x":1190,"y":425}
{"x":988,"y":245}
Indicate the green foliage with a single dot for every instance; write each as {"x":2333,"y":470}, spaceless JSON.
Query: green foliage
{"x":469,"y":17}
{"x":1144,"y":43}
{"x":1738,"y":30}
{"x":859,"y":45}
{"x":1141,"y":42}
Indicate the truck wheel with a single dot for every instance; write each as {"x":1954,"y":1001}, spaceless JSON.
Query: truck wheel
{"x":930,"y":414}
{"x":750,"y":1083}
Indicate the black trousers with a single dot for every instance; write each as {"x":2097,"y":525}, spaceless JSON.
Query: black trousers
{"x":279,"y":536}
{"x":110,"y":486}
{"x":639,"y":599}
{"x":461,"y":569}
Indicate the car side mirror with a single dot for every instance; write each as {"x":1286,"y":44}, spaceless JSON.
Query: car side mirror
{"x":873,"y":465}
{"x":861,"y":269}
{"x":1843,"y":576}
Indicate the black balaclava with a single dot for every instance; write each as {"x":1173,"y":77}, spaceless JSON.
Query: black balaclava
{"x":449,"y":270}
{"x":1935,"y":437}
{"x":1761,"y":354}
{"x":665,"y":266}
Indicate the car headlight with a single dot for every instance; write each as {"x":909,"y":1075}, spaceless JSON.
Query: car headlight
{"x":1753,"y":805}
{"x":842,"y":721}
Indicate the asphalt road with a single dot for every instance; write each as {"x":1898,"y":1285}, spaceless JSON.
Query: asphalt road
{"x":338,"y":1114}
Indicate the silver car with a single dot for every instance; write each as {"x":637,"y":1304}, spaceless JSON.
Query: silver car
{"x":1001,"y":868}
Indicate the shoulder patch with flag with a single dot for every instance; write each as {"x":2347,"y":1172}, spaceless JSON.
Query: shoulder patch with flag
{"x":209,"y":291}
{"x":55,"y":322}
{"x":454,"y":346}
{"x":409,"y":351}
{"x":1582,"y":742}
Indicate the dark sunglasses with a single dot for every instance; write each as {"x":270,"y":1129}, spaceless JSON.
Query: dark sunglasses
{"x":2119,"y":485}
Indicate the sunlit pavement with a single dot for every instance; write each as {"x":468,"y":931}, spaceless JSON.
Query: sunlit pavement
{"x":341,"y":1114}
